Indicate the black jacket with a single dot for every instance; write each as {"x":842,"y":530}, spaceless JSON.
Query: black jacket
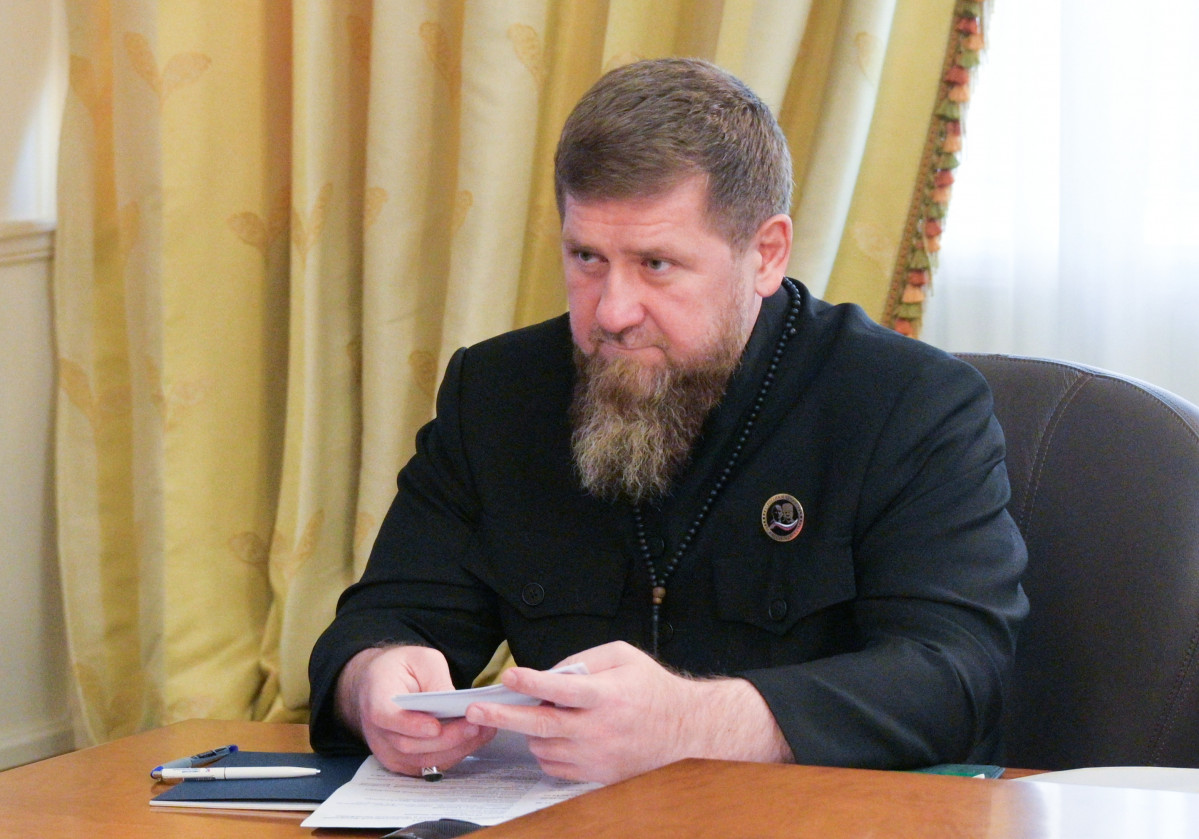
{"x":881,"y":636}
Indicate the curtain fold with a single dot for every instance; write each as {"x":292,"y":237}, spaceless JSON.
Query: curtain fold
{"x":278,"y":219}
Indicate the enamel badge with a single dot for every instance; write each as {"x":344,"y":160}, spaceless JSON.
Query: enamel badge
{"x":782,"y":517}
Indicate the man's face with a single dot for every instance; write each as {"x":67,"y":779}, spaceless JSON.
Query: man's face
{"x":650,"y":280}
{"x":660,"y":309}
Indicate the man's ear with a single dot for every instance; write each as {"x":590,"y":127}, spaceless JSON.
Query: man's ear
{"x":772,"y":243}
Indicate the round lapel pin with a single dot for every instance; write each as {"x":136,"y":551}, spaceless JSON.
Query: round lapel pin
{"x":782,"y":517}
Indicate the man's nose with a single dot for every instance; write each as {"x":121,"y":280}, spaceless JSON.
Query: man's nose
{"x":620,"y":305}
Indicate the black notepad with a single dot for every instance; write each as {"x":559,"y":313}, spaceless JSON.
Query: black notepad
{"x":266,"y":793}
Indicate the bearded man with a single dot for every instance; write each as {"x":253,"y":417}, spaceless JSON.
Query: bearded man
{"x":771,"y":529}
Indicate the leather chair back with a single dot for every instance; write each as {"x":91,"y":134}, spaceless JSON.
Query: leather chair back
{"x":1105,"y":489}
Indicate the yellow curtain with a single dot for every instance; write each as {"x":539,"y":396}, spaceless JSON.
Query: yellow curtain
{"x":279,"y":217}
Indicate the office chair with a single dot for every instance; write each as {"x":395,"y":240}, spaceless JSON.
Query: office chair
{"x":1105,"y":489}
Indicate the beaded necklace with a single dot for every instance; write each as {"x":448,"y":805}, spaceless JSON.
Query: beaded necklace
{"x":659,"y":577}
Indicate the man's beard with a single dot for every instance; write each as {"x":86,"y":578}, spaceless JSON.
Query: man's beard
{"x":635,"y":425}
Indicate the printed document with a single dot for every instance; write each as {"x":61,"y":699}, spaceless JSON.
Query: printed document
{"x":499,"y":782}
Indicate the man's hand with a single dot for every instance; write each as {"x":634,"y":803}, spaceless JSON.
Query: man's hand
{"x":403,"y":741}
{"x":631,"y":715}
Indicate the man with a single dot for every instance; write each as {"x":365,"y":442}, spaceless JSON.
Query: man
{"x":771,"y":529}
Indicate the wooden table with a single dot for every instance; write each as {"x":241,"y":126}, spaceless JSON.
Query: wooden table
{"x":103,"y":792}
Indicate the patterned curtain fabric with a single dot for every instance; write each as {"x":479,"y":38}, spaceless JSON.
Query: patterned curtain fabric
{"x":278,"y":218}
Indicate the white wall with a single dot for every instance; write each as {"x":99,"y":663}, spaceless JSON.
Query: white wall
{"x":34,"y":688}
{"x":34,"y":715}
{"x":32,"y":84}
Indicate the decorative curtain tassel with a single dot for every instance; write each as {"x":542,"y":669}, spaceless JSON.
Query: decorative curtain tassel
{"x":943,"y":146}
{"x":957,"y":75}
{"x":949,"y":110}
{"x":917,"y":278}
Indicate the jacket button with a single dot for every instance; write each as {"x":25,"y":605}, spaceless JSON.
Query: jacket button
{"x":532,"y":594}
{"x":655,"y":545}
{"x":665,"y":633}
{"x":778,"y":610}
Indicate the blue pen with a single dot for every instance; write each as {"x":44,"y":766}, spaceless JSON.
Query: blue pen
{"x":195,"y":760}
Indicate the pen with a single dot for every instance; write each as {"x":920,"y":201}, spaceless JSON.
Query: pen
{"x":195,"y":760}
{"x":236,"y":773}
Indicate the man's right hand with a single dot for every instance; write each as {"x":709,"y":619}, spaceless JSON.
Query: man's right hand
{"x":403,"y":741}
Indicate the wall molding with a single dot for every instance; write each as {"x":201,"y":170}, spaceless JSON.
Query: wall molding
{"x":26,"y":241}
{"x":34,"y":729}
{"x":23,"y":747}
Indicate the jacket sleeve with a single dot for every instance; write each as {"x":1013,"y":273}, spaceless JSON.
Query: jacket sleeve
{"x":937,"y":561}
{"x":415,"y":588}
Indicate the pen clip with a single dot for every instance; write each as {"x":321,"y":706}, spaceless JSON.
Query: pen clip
{"x":201,"y":759}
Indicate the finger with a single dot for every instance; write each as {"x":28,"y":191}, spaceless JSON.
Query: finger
{"x":444,"y":758}
{"x":565,"y":771}
{"x":414,"y":724}
{"x":605,"y":656}
{"x":401,"y":670}
{"x":448,"y":757}
{"x":410,"y":764}
{"x":564,"y":689}
{"x":400,"y":754}
{"x":449,"y":735}
{"x":416,"y":669}
{"x":456,"y":734}
{"x":431,"y":671}
{"x":542,"y":721}
{"x":559,"y":760}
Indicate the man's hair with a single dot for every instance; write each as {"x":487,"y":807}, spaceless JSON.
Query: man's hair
{"x":645,"y":127}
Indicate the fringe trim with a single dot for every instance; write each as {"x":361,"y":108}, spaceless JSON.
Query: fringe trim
{"x":917,"y":260}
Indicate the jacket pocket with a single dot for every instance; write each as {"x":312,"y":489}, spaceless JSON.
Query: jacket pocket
{"x":544,"y":574}
{"x":558,"y":594}
{"x":773,"y":586}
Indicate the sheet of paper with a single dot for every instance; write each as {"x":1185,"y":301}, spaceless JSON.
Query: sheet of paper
{"x":499,"y":782}
{"x":447,"y":704}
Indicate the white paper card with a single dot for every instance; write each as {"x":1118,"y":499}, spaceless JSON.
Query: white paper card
{"x":447,"y":704}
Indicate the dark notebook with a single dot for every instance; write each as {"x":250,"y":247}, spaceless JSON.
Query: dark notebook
{"x":267,"y":793}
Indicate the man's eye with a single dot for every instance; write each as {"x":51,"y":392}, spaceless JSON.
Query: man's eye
{"x":657,"y":265}
{"x":586,"y":257}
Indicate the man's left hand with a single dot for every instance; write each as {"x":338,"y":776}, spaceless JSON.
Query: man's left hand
{"x":631,"y":715}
